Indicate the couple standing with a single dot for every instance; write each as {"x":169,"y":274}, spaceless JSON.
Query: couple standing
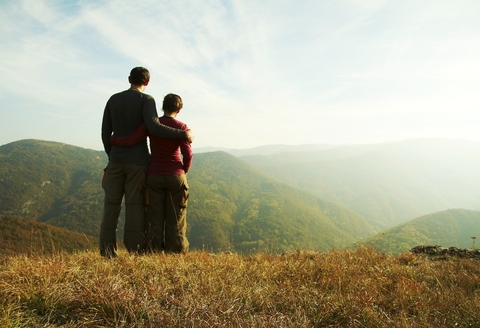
{"x":131,"y":116}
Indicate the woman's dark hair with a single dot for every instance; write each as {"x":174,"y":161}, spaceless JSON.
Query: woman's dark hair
{"x":172,"y":103}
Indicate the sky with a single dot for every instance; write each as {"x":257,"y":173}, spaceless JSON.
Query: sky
{"x":250,"y":72}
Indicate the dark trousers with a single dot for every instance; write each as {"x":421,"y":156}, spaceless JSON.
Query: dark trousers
{"x":123,"y":180}
{"x":166,"y":213}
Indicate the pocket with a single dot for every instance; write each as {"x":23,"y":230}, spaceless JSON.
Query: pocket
{"x":185,"y":195}
{"x":103,"y":178}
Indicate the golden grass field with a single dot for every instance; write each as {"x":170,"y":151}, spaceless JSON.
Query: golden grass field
{"x":360,"y":288}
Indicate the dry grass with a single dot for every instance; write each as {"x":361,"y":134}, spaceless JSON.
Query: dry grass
{"x":361,"y":288}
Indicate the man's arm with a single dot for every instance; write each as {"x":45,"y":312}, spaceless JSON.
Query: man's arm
{"x":133,"y":138}
{"x":151,"y":120}
{"x":187,"y":155}
{"x":107,"y":130}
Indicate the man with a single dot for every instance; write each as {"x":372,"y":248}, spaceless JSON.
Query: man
{"x":127,"y":166}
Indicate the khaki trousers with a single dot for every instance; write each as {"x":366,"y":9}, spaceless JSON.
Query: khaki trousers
{"x":123,"y":180}
{"x":167,"y":199}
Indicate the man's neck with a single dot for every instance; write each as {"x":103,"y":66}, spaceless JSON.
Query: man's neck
{"x":137,"y":87}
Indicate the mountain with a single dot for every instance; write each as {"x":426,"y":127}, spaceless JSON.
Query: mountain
{"x":52,"y":182}
{"x":453,"y":227}
{"x":255,"y":213}
{"x":25,"y":236}
{"x":232,"y":205}
{"x":387,"y":183}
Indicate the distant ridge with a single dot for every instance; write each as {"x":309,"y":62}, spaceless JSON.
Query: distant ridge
{"x":450,"y":228}
{"x":387,"y":183}
{"x":283,"y":148}
{"x":266,"y":150}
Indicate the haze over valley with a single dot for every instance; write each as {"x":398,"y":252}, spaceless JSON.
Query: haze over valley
{"x":272,"y":198}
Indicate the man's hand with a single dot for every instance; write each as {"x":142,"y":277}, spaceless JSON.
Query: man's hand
{"x":189,"y":136}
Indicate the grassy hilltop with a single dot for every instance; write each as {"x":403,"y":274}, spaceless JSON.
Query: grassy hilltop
{"x":360,"y":288}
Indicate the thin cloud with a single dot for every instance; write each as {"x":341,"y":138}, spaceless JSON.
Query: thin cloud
{"x":39,"y":11}
{"x":250,"y":72}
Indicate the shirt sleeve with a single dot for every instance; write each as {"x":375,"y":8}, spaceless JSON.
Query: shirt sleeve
{"x":187,"y":153}
{"x":150,"y":117}
{"x":133,"y":138}
{"x":107,"y":130}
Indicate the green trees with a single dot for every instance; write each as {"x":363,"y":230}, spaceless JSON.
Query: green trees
{"x":232,"y":206}
{"x":388,"y":183}
{"x":235,"y":207}
{"x":453,"y":227}
{"x":53,"y":183}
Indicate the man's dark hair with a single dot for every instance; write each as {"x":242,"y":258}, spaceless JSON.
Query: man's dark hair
{"x":172,"y":103}
{"x":139,"y":76}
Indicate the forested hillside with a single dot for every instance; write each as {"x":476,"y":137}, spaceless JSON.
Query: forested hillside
{"x":26,"y":236}
{"x":53,"y":183}
{"x":448,"y":228}
{"x":386,"y":183}
{"x":236,"y":207}
{"x":232,"y":206}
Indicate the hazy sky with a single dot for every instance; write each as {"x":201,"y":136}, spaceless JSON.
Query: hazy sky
{"x":250,"y":72}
